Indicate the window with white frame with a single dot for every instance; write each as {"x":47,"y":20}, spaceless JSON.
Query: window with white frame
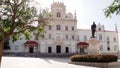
{"x":58,"y":27}
{"x":58,"y":15}
{"x":72,"y":28}
{"x":16,"y":47}
{"x":114,"y":39}
{"x":73,"y":37}
{"x":85,"y":38}
{"x":49,"y":36}
{"x":108,"y":39}
{"x":66,"y":37}
{"x":100,"y":37}
{"x":50,"y":27}
{"x":66,"y":28}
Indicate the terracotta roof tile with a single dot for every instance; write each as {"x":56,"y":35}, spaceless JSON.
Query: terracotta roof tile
{"x":31,"y":43}
{"x":82,"y":44}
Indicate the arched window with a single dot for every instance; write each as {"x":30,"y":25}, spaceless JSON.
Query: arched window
{"x":58,"y":15}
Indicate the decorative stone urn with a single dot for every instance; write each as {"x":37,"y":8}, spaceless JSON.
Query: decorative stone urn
{"x":93,"y":48}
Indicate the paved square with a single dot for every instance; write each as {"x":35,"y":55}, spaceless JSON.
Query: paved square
{"x":29,"y":62}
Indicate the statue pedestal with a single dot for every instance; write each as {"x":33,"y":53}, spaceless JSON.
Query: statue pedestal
{"x":93,"y":48}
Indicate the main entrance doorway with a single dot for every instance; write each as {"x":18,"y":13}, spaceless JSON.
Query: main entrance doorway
{"x":31,"y":46}
{"x":58,"y":49}
{"x":31,"y":49}
{"x":82,"y":50}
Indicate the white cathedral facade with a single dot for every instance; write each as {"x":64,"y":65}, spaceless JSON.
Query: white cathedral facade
{"x":62,"y":36}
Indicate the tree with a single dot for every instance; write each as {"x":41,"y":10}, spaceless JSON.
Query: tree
{"x":17,"y":18}
{"x":113,"y":8}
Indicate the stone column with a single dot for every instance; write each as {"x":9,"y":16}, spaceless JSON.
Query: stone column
{"x":93,"y":48}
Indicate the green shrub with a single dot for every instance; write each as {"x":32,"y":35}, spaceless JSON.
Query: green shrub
{"x":94,"y":58}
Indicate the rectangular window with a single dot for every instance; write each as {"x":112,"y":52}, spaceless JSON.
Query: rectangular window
{"x":58,"y":27}
{"x":108,"y":39}
{"x":108,"y":48}
{"x":66,"y":37}
{"x":66,"y":28}
{"x":114,"y":39}
{"x":73,"y":37}
{"x":100,"y":37}
{"x":72,"y":28}
{"x":85,"y":38}
{"x":16,"y":47}
{"x":115,"y":48}
{"x":49,"y":36}
{"x":50,"y":27}
{"x":58,"y":15}
{"x":78,"y":38}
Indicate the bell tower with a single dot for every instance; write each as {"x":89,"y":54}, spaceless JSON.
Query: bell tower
{"x":58,"y":10}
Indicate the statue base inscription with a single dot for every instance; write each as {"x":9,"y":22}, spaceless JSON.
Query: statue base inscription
{"x":93,"y":48}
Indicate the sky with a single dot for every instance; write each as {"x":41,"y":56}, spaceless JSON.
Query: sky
{"x":87,"y":11}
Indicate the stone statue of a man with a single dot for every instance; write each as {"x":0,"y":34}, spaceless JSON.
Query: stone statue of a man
{"x":93,"y":29}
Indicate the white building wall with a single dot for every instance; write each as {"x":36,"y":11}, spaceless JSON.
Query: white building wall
{"x":17,"y":46}
{"x":79,"y":34}
{"x":114,"y":46}
{"x":73,"y":47}
{"x":112,"y":35}
{"x":83,"y":32}
{"x":42,"y":46}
